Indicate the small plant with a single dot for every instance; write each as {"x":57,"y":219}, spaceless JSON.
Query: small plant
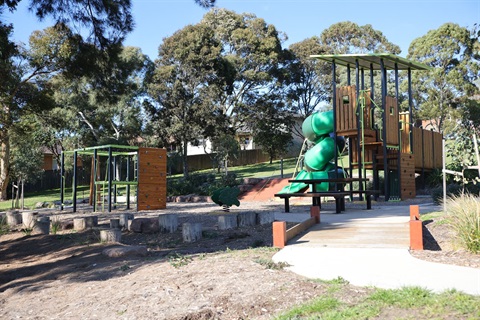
{"x":178,"y":260}
{"x":464,"y":217}
{"x":269,"y":264}
{"x":258,"y":243}
{"x":125,"y":267}
{"x":3,"y":225}
{"x":56,"y":225}
{"x":27,"y":231}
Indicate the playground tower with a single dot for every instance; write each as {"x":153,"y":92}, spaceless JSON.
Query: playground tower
{"x":391,"y":144}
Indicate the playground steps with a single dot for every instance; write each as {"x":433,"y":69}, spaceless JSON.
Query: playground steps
{"x":265,"y":190}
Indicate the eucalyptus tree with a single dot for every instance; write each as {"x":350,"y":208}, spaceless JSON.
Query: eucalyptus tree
{"x":104,"y":23}
{"x":271,"y":123}
{"x":97,"y":112}
{"x":310,"y":83}
{"x":189,"y":73}
{"x":443,"y":93}
{"x":254,"y":53}
{"x":25,"y":88}
{"x":349,"y":38}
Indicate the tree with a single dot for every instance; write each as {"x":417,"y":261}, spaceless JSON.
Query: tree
{"x":254,"y":54}
{"x":350,"y":38}
{"x":99,"y":113}
{"x":442,"y":94}
{"x":24,"y":89}
{"x":271,"y":124}
{"x":309,"y":80}
{"x":189,"y":68}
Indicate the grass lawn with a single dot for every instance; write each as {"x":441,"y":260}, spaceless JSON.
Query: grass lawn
{"x":405,"y":303}
{"x":32,"y":198}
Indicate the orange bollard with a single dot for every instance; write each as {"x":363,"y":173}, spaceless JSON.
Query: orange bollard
{"x":279,"y":234}
{"x":416,"y":231}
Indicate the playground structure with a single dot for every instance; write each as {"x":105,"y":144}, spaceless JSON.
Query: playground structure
{"x":145,"y":172}
{"x":393,"y":145}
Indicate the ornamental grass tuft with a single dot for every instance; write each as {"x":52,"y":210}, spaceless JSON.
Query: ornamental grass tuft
{"x":464,"y":218}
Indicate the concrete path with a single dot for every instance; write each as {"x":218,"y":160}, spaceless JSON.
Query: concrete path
{"x":370,"y":248}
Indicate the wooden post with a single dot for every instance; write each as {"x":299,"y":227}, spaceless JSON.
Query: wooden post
{"x":79,"y":224}
{"x":315,"y":213}
{"x":114,"y":223}
{"x":42,"y":226}
{"x":168,"y":223}
{"x":227,"y":222}
{"x":110,"y":235}
{"x":91,"y":222}
{"x":28,"y":219}
{"x":279,"y":234}
{"x":416,"y":233}
{"x":191,"y":232}
{"x":265,"y":217}
{"x":246,"y":219}
{"x":13,"y":218}
{"x":124,"y":218}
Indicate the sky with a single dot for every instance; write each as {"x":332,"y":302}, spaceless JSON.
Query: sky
{"x":401,"y":21}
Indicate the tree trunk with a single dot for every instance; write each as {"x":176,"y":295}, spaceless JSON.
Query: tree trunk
{"x":4,"y":166}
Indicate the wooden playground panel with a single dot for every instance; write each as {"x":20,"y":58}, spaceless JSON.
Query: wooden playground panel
{"x":408,"y":149}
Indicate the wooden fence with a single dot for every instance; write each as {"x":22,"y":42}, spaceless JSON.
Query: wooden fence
{"x":205,"y":161}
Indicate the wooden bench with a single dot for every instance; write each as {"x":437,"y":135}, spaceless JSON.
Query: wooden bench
{"x":338,"y":195}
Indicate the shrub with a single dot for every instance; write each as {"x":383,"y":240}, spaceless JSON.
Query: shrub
{"x":200,"y":183}
{"x":464,"y":218}
{"x":452,"y":191}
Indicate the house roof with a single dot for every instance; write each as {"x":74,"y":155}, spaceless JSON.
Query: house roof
{"x":374,"y":59}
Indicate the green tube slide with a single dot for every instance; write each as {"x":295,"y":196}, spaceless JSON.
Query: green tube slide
{"x":316,"y":128}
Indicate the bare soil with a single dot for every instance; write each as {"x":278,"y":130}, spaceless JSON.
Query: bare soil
{"x":226,"y":275}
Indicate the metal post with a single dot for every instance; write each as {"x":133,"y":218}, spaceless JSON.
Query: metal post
{"x":362,"y":73}
{"x":128,"y":186}
{"x":399,"y":156}
{"x":74,"y":191}
{"x":62,"y":180}
{"x":115,"y":178}
{"x":384,"y":131}
{"x":444,"y":178}
{"x":281,"y":167}
{"x":359,"y":133}
{"x":109,"y":177}
{"x":334,"y":105}
{"x":95,"y":164}
{"x":410,"y":108}
{"x":348,"y":75}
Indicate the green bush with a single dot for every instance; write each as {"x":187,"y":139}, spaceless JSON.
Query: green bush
{"x":453,"y":190}
{"x":200,"y":183}
{"x":464,"y":218}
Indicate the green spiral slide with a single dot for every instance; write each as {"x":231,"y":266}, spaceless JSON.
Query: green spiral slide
{"x":316,"y":128}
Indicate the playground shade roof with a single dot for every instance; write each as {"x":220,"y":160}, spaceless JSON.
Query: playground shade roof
{"x":364,"y":61}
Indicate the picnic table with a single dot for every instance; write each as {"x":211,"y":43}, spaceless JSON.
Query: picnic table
{"x":338,"y":193}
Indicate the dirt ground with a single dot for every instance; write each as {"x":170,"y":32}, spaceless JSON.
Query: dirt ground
{"x":226,"y":275}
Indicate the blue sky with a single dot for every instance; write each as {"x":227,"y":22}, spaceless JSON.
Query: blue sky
{"x":401,"y":21}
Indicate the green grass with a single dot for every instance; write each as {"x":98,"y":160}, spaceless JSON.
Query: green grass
{"x":32,"y":198}
{"x":407,"y":303}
